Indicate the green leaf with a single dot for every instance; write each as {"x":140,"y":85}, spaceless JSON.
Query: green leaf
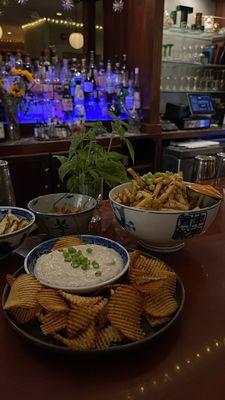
{"x":130,"y":149}
{"x":115,"y":156}
{"x":62,"y":159}
{"x":64,"y":169}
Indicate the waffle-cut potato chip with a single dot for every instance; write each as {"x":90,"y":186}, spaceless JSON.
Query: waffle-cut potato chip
{"x":149,"y":287}
{"x":107,"y":336}
{"x":102,"y":318}
{"x":10,"y":279}
{"x":23,"y":316}
{"x":138,"y":276}
{"x":78,"y":320}
{"x":53,"y":322}
{"x":85,"y":341}
{"x":67,"y":241}
{"x":23,"y":293}
{"x":134,"y":257}
{"x":51,"y":300}
{"x":155,"y":321}
{"x":160,"y":303}
{"x":150,"y":265}
{"x":81,"y":316}
{"x":125,"y":308}
{"x":79,"y":300}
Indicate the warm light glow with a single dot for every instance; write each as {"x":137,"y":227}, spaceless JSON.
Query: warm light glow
{"x":59,"y":14}
{"x":76,"y":40}
{"x":1,"y":32}
{"x":9,"y":33}
{"x":58,"y":21}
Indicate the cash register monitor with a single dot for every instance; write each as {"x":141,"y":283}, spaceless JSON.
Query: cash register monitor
{"x":201,"y":105}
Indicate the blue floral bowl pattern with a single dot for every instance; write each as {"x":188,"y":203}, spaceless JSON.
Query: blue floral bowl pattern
{"x":163,"y":231}
{"x":11,"y":241}
{"x":55,"y":225}
{"x":46,"y":247}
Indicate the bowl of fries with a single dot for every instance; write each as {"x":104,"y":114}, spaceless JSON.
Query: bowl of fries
{"x":161,"y":212}
{"x":60,"y":214}
{"x":15,"y":226}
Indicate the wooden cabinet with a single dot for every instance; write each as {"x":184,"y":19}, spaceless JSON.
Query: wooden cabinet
{"x":31,"y":176}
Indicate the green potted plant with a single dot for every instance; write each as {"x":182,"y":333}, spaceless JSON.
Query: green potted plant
{"x":89,"y":164}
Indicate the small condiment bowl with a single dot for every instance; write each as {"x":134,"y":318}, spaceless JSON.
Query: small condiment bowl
{"x":54,"y":224}
{"x":10,"y":241}
{"x":46,"y":247}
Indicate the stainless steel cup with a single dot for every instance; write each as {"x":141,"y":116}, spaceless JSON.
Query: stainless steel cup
{"x":7,"y":197}
{"x":220,"y":165}
{"x":204,"y":168}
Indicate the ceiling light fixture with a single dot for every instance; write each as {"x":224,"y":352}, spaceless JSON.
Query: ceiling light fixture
{"x":76,"y":40}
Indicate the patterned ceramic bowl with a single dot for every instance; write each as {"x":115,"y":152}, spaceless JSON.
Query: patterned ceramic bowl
{"x":164,"y":231}
{"x":63,"y":224}
{"x":46,"y":247}
{"x":11,"y":241}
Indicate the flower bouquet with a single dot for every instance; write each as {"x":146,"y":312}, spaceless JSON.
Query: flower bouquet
{"x":12,"y":98}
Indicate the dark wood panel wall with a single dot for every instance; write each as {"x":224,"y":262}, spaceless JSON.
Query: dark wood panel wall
{"x":89,"y":13}
{"x":137,"y":31}
{"x":220,"y":8}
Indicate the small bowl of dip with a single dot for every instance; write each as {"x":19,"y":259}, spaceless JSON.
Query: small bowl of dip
{"x":83,"y":268}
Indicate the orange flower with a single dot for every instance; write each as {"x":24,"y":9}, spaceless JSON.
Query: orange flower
{"x":16,"y":91}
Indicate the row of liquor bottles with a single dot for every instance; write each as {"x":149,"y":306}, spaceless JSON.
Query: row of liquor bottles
{"x":74,"y":89}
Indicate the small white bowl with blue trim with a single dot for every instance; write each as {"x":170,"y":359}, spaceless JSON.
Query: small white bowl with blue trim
{"x":47,"y":247}
{"x":10,"y":241}
{"x":54,"y":224}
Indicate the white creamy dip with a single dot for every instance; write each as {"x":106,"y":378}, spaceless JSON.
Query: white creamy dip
{"x":52,"y":268}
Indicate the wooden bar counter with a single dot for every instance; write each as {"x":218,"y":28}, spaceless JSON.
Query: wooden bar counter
{"x":186,"y":362}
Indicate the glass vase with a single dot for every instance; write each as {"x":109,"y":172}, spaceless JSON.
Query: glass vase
{"x":13,"y":130}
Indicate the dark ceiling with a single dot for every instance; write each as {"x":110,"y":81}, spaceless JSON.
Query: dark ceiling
{"x":21,"y":14}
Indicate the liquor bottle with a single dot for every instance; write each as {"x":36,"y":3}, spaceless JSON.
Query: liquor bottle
{"x":79,"y":108}
{"x":67,"y":101}
{"x":83,"y":69}
{"x":27,"y":63}
{"x":117,"y":79}
{"x":19,"y":61}
{"x":125,"y":72}
{"x":129,"y":99}
{"x":101,"y":86}
{"x":110,"y":88}
{"x":137,"y":91}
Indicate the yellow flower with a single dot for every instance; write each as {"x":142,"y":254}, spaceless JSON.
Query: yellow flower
{"x":23,"y":72}
{"x":16,"y":91}
{"x":28,"y":75}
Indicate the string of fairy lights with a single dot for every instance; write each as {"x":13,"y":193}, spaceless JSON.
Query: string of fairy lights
{"x":57,"y":22}
{"x":180,"y":367}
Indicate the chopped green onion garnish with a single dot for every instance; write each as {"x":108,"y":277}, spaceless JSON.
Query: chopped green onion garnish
{"x":95,"y":264}
{"x":89,"y":250}
{"x":98,"y":273}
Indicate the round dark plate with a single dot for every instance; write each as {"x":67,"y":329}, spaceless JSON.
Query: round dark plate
{"x":32,"y":332}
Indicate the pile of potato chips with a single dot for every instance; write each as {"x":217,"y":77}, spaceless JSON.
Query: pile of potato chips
{"x":11,"y":223}
{"x":110,"y":317}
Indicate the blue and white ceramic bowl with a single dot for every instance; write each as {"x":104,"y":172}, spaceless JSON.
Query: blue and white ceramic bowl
{"x":11,"y":241}
{"x":46,"y":247}
{"x":55,"y":225}
{"x":163,"y":231}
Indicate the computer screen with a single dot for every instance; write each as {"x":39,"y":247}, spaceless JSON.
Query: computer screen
{"x":201,"y":104}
